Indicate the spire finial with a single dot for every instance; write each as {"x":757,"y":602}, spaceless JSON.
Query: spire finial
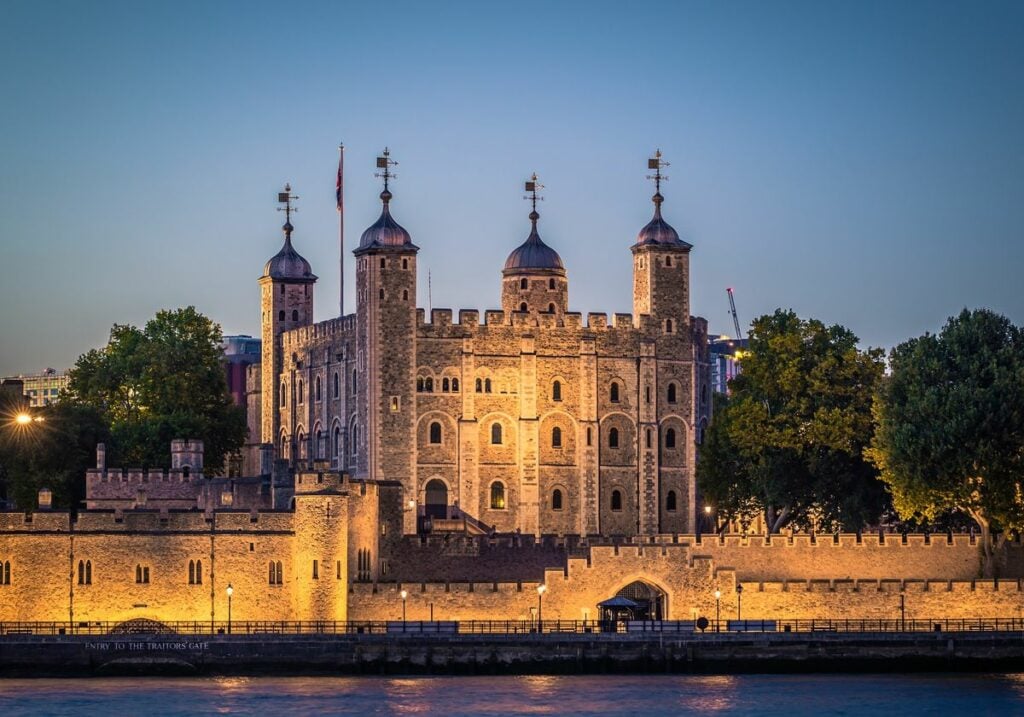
{"x":656,"y":163}
{"x":286,"y":198}
{"x":385,"y":163}
{"x":533,"y":186}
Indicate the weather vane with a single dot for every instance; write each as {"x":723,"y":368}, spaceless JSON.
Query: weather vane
{"x":533,"y":186}
{"x":286,"y":198}
{"x":386,"y":163}
{"x":656,"y":164}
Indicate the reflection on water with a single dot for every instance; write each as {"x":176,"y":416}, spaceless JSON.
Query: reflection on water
{"x":788,"y":695}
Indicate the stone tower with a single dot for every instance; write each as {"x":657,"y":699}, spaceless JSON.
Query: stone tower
{"x":386,"y":353}
{"x":286,"y":302}
{"x":534,"y":279}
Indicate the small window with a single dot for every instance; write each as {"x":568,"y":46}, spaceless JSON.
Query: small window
{"x":84,"y":572}
{"x":355,"y":439}
{"x":318,"y":396}
{"x":556,"y":391}
{"x":282,"y":289}
{"x":295,"y":314}
{"x":6,"y":577}
{"x":405,"y":294}
{"x":496,"y":434}
{"x":298,"y":393}
{"x":479,"y":386}
{"x":396,"y":404}
{"x":284,"y":395}
{"x":142,"y":575}
{"x":522,"y":285}
{"x":405,"y":263}
{"x":276,"y":573}
{"x":353,"y":380}
{"x":280,"y":314}
{"x":556,"y":499}
{"x":337,"y":441}
{"x":668,"y":261}
{"x":338,"y":568}
{"x":670,"y":438}
{"x":337,"y":385}
{"x":590,"y":436}
{"x":522,"y":306}
{"x":551,"y":308}
{"x":455,"y":385}
{"x":487,"y":385}
{"x":613,"y":438}
{"x":497,"y":496}
{"x":380,"y":294}
{"x":419,"y":385}
{"x":383,"y":263}
{"x":616,"y":500}
{"x":316,"y":569}
{"x":551,"y":284}
{"x":614,"y":392}
{"x":445,"y":385}
{"x":428,"y":385}
{"x":435,"y":432}
{"x":647,"y":393}
{"x":556,"y":437}
{"x":647,"y":437}
{"x":668,"y":326}
{"x":672,"y":393}
{"x":670,"y":501}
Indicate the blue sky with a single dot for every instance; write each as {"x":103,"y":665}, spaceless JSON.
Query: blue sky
{"x":862,"y":163}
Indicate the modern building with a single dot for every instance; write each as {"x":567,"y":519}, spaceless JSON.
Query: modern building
{"x":40,"y":389}
{"x":726,"y":355}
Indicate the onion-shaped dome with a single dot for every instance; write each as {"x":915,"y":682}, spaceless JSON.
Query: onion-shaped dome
{"x":288,"y":263}
{"x":660,"y":232}
{"x":533,"y":254}
{"x":385,"y":232}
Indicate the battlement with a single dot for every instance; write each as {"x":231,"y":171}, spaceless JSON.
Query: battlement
{"x":299,"y":337}
{"x":597,"y":321}
{"x":622,"y":321}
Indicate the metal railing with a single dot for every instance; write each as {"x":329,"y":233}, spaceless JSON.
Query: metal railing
{"x":443,"y":628}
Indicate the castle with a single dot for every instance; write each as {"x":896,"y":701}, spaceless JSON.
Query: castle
{"x":461,"y":471}
{"x":531,"y":420}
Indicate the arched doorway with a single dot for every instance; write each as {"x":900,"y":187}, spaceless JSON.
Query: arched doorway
{"x":650,"y":601}
{"x":436,"y":499}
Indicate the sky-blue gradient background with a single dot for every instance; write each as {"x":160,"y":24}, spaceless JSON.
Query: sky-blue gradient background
{"x":862,"y":163}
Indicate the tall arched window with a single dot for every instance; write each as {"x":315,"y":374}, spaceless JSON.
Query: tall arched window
{"x":355,"y":439}
{"x":670,"y":501}
{"x":523,"y":283}
{"x":380,"y":294}
{"x":668,"y":326}
{"x":590,"y":436}
{"x":84,"y":572}
{"x":670,"y":438}
{"x":405,"y":294}
{"x":614,"y":392}
{"x":337,"y":441}
{"x":556,"y":437}
{"x":317,"y":388}
{"x":556,"y":391}
{"x":318,"y":450}
{"x":295,"y":314}
{"x":556,"y":499}
{"x":647,"y":438}
{"x":496,"y":434}
{"x":419,"y":385}
{"x":487,"y":385}
{"x":337,"y":385}
{"x":383,"y":263}
{"x":672,"y":393}
{"x":284,"y":395}
{"x":551,"y":308}
{"x":280,"y":314}
{"x":455,"y":385}
{"x":445,"y":385}
{"x":191,"y":572}
{"x":668,"y":261}
{"x":298,"y":393}
{"x":613,"y":438}
{"x":479,"y":386}
{"x":428,"y":385}
{"x":616,"y":500}
{"x":497,"y":495}
{"x":551,"y":283}
{"x":435,"y":432}
{"x":353,"y":380}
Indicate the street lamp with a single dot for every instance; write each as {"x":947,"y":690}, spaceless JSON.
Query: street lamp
{"x":23,"y":419}
{"x":718,"y":608}
{"x":230,"y":591}
{"x":739,"y":602}
{"x":540,"y":605}
{"x":404,"y":595}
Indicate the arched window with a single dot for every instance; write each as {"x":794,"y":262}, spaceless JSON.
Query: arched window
{"x":590,"y":436}
{"x":556,"y":499}
{"x":487,"y":385}
{"x":670,"y":438}
{"x":337,"y":385}
{"x":383,"y":263}
{"x":668,"y":261}
{"x":199,"y":572}
{"x":455,"y":385}
{"x":318,"y":396}
{"x":522,"y":306}
{"x":337,"y":441}
{"x":428,"y":385}
{"x":405,"y":294}
{"x":435,"y":432}
{"x":191,"y":572}
{"x":84,"y":572}
{"x":672,"y":393}
{"x":282,"y":289}
{"x":380,"y":294}
{"x":556,"y":437}
{"x":295,"y":314}
{"x":319,"y":448}
{"x":353,"y":380}
{"x":280,"y":314}
{"x":647,"y":437}
{"x":405,"y":263}
{"x":496,"y":434}
{"x":419,"y":385}
{"x":613,"y":438}
{"x":522,"y":285}
{"x":479,"y":386}
{"x":614,"y":392}
{"x":551,"y":308}
{"x":284,"y":445}
{"x":88,"y":572}
{"x":298,"y":393}
{"x":616,"y":500}
{"x":551,"y":283}
{"x":668,"y":326}
{"x":556,"y":391}
{"x":497,"y":495}
{"x":670,"y":500}
{"x":647,"y":394}
{"x":284,"y":395}
{"x":445,"y":385}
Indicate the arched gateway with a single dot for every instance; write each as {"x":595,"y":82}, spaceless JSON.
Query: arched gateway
{"x":436,"y":499}
{"x":649,"y":601}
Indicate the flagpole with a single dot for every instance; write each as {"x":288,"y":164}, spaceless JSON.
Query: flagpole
{"x":341,"y":229}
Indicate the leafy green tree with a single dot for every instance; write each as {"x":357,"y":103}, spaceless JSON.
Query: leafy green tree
{"x":158,"y":383}
{"x":789,"y":442}
{"x":950,"y":426}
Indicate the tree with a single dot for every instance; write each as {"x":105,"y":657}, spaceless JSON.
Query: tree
{"x":950,"y":425}
{"x":789,"y":442}
{"x":162,"y":382}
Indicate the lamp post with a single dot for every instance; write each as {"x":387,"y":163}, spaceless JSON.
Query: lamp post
{"x":404,"y":595}
{"x":903,"y":612}
{"x":707,"y":516}
{"x":540,"y":605}
{"x":739,"y":602}
{"x":230,"y":591}
{"x":718,"y":608}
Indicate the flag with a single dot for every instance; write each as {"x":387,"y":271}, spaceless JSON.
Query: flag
{"x":338,"y":184}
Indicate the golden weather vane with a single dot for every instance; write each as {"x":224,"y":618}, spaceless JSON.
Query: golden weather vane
{"x":286,"y":198}
{"x":386,"y":163}
{"x":533,"y":186}
{"x":656,"y":163}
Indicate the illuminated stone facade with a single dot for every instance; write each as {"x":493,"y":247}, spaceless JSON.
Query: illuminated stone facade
{"x":532,"y":419}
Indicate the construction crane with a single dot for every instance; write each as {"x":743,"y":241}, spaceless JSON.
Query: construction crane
{"x":735,"y":318}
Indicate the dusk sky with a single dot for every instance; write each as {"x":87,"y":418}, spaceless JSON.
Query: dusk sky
{"x":861,"y":163}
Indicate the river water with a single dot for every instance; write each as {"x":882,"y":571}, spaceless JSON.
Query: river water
{"x":788,"y":695}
